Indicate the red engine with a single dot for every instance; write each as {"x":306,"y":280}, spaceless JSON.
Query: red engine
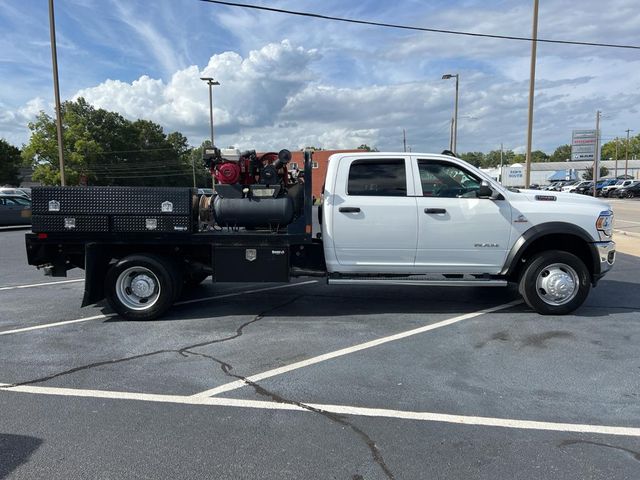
{"x":248,"y":169}
{"x":227,"y":173}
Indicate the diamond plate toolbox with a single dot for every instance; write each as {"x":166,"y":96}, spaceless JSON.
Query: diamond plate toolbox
{"x":111,"y":201}
{"x":159,"y":223}
{"x":69,"y":223}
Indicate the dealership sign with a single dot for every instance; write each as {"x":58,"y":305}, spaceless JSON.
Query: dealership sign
{"x":583,"y":145}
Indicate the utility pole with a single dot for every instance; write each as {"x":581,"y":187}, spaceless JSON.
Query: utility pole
{"x":626,"y":157}
{"x":532,"y":83}
{"x":501,"y":151}
{"x":404,"y":139}
{"x":615,"y":175}
{"x":596,"y":163}
{"x":56,"y":90}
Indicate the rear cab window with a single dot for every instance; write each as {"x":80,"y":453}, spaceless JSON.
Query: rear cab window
{"x":378,"y":178}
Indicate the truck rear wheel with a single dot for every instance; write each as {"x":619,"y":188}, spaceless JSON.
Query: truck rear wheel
{"x":142,"y":287}
{"x":555,"y":282}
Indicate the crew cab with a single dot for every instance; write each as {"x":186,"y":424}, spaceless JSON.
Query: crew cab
{"x":386,"y":219}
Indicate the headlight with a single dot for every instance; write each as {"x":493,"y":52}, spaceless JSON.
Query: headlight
{"x":604,"y":225}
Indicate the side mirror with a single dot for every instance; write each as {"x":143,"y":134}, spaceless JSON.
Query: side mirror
{"x":485,"y":190}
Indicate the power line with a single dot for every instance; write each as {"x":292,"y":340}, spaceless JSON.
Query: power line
{"x":419,"y":29}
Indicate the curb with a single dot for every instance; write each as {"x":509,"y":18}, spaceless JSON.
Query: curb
{"x":627,"y":234}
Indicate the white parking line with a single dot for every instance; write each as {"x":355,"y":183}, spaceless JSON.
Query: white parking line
{"x":56,"y":324}
{"x":16,"y":287}
{"x":346,"y":351}
{"x":338,"y":409}
{"x":195,"y":300}
{"x":627,"y":221}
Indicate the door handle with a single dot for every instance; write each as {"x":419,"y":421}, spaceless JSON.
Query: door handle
{"x":349,"y":209}
{"x":435,"y":210}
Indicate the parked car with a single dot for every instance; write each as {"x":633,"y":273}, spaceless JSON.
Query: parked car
{"x":600,"y":185}
{"x":572,"y":188}
{"x":15,"y":210}
{"x":606,"y":191}
{"x":23,"y":192}
{"x":584,"y":188}
{"x":631,"y":191}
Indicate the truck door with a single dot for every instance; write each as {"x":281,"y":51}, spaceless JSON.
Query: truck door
{"x":374,"y":215}
{"x":458,"y":232}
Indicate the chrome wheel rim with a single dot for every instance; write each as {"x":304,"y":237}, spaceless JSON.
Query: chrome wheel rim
{"x":557,"y":284}
{"x":138,"y":288}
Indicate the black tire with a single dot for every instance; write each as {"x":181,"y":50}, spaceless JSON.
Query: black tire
{"x":562,"y":265}
{"x":165,"y":286}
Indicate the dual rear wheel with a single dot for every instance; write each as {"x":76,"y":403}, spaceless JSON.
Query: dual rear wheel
{"x":142,"y":287}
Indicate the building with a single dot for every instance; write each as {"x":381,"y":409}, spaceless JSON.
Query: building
{"x":543,"y":173}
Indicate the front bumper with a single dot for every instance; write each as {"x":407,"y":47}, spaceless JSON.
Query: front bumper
{"x":607,"y":255}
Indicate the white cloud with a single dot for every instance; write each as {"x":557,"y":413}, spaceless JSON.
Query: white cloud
{"x":348,"y":85}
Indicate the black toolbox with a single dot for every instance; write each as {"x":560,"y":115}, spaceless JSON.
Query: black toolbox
{"x":113,"y":209}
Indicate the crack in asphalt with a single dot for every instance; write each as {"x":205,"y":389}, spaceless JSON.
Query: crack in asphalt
{"x":568,"y":443}
{"x":227,"y":369}
{"x":376,"y":454}
{"x":180,"y":351}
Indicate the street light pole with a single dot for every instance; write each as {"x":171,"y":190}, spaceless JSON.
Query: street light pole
{"x":454,"y":134}
{"x":211,"y":82}
{"x":56,"y":90}
{"x":532,"y":84}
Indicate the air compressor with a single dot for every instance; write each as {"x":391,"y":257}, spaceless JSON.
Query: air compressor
{"x":252,"y":190}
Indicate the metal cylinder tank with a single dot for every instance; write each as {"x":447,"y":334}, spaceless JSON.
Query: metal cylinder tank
{"x":253,"y":212}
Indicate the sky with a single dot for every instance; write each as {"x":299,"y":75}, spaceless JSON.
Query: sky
{"x":291,"y":82}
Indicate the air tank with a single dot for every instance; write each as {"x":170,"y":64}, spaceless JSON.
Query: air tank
{"x":253,"y":211}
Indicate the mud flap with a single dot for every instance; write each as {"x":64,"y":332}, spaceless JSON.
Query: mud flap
{"x":96,"y":262}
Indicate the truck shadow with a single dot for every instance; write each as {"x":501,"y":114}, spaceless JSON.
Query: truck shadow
{"x":322,"y":300}
{"x":15,"y":450}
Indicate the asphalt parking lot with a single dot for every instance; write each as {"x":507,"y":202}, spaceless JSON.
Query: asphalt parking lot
{"x":315,"y":381}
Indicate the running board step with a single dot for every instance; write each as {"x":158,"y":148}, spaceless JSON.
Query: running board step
{"x":419,"y":280}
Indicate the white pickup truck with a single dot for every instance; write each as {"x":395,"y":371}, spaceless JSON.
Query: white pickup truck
{"x":386,"y":219}
{"x":391,"y":214}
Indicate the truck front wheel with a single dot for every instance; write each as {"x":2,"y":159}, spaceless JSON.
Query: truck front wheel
{"x":142,"y":287}
{"x":555,"y":282}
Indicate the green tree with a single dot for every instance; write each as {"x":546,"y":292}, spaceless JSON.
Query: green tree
{"x":366,"y":147}
{"x":492,"y":159}
{"x":107,"y":149}
{"x":474,"y":158}
{"x":561,"y":154}
{"x":539,"y":156}
{"x":9,"y":164}
{"x":588,"y":175}
{"x":203,"y":177}
{"x":609,"y":148}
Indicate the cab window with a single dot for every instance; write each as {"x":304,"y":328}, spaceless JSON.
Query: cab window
{"x":379,"y":178}
{"x":446,"y":180}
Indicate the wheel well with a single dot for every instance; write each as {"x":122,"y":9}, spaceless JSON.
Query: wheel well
{"x":556,"y":241}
